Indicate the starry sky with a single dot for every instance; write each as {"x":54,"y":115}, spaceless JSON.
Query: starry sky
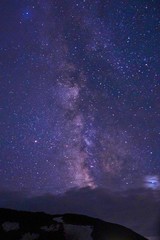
{"x":80,"y":95}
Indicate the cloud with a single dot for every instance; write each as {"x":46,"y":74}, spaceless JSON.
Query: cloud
{"x":137,"y":209}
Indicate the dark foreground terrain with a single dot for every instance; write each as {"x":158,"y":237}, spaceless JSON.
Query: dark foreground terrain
{"x":19,"y":225}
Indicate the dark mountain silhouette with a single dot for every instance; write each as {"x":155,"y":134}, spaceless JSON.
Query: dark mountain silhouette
{"x":20,"y":225}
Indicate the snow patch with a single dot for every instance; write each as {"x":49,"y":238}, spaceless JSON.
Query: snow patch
{"x":30,"y":236}
{"x":58,"y":219}
{"x":10,"y":226}
{"x":51,"y":228}
{"x":77,"y":232}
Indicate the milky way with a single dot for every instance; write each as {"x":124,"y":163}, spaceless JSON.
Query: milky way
{"x":79,"y":94}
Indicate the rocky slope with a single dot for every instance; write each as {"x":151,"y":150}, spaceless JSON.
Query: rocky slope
{"x":19,"y":225}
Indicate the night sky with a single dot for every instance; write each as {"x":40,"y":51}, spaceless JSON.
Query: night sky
{"x":79,"y":95}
